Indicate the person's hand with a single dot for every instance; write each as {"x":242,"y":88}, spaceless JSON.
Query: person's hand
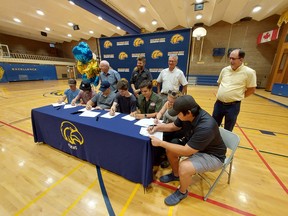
{"x":156,"y":120}
{"x":133,"y":114}
{"x":60,"y":100}
{"x":88,"y":107}
{"x":112,"y":111}
{"x":73,"y":103}
{"x":151,"y":129}
{"x":155,"y":141}
{"x":98,"y":108}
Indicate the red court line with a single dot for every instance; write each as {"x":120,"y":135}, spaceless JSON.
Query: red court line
{"x":9,"y":125}
{"x":214,"y":202}
{"x":264,"y":161}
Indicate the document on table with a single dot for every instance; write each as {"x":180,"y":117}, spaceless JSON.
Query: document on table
{"x":58,"y":104}
{"x":144,"y":132}
{"x":145,"y":122}
{"x":67,"y":106}
{"x":89,"y":113}
{"x":84,"y":109}
{"x":107,"y":115}
{"x":129,"y":118}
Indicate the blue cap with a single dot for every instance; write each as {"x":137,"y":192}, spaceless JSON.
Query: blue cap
{"x":104,"y":85}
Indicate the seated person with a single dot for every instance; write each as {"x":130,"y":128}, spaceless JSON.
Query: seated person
{"x":172,"y":95}
{"x":149,"y":103}
{"x":85,"y":94}
{"x":125,"y":102}
{"x":103,"y":99}
{"x":202,"y":146}
{"x":70,"y":93}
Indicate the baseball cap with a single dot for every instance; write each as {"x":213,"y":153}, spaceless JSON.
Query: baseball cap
{"x":182,"y":104}
{"x":104,"y":85}
{"x":71,"y":82}
{"x":85,"y":86}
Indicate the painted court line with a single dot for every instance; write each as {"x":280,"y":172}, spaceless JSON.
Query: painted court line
{"x":219,"y":204}
{"x":9,"y":125}
{"x":48,"y":189}
{"x":136,"y":188}
{"x":274,"y":101}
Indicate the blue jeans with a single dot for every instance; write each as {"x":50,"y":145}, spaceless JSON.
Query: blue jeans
{"x":228,"y":110}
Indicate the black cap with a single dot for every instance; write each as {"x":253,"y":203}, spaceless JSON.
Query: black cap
{"x":182,"y":104}
{"x":85,"y":86}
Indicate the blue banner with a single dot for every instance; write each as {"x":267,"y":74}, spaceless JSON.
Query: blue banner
{"x":21,"y":72}
{"x":122,"y":52}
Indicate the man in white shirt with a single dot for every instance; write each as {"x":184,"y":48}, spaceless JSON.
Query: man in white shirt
{"x":171,"y":78}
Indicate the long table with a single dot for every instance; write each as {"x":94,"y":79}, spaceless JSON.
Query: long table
{"x":113,"y":144}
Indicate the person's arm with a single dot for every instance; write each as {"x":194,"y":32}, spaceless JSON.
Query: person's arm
{"x":89,"y":105}
{"x":77,"y":98}
{"x":62,"y":99}
{"x":161,"y":112}
{"x":249,"y":91}
{"x":184,"y":90}
{"x":158,"y":87}
{"x":113,"y":109}
{"x":170,"y":127}
{"x":135,"y":91}
{"x":176,"y":149}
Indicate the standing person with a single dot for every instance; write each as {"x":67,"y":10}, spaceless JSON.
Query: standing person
{"x":125,"y":102}
{"x":139,"y":74}
{"x":202,"y":145}
{"x":149,"y":103}
{"x":103,"y":99}
{"x":84,"y":95}
{"x":236,"y":82}
{"x":171,"y":78}
{"x":70,"y":93}
{"x":108,"y":74}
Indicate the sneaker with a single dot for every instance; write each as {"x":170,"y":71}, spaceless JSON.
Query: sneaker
{"x":175,"y":198}
{"x":168,"y":178}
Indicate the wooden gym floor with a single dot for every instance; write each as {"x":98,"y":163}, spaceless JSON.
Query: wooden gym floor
{"x":40,"y":180}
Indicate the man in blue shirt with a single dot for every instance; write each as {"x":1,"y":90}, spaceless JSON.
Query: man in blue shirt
{"x":70,"y":93}
{"x":108,"y":74}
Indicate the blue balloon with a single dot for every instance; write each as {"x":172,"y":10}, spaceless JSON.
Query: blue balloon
{"x":82,"y":52}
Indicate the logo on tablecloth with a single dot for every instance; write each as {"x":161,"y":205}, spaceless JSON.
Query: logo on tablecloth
{"x":71,"y":134}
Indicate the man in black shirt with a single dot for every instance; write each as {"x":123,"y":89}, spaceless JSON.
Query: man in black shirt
{"x":202,"y":145}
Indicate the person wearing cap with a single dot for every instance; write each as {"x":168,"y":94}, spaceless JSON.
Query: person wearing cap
{"x":125,"y":102}
{"x":103,"y":99}
{"x":70,"y":93}
{"x":85,"y":94}
{"x":171,"y":78}
{"x":149,"y":103}
{"x":108,"y":74}
{"x":202,"y":145}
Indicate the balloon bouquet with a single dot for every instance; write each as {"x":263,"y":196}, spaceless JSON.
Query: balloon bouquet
{"x":86,"y":64}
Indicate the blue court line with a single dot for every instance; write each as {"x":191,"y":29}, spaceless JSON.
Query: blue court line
{"x":281,"y":104}
{"x":104,"y":192}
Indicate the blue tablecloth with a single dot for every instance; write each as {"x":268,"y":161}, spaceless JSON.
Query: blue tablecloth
{"x":113,"y":144}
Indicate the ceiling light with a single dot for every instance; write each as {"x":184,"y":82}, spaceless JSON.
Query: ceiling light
{"x":198,"y":1}
{"x":142,"y":9}
{"x":47,"y":29}
{"x":256,"y":9}
{"x":91,"y":32}
{"x":154,"y":22}
{"x":17,"y":20}
{"x":69,"y":35}
{"x":118,"y":28}
{"x":70,"y":24}
{"x":40,"y":12}
{"x":71,"y":2}
{"x":100,"y":18}
{"x":199,"y":16}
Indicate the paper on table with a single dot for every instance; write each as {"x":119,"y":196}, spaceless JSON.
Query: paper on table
{"x":67,"y":106}
{"x":89,"y":113}
{"x":145,"y":122}
{"x":144,"y":132}
{"x":107,"y":115}
{"x":129,"y":118}
{"x":84,"y":109}
{"x":58,"y":104}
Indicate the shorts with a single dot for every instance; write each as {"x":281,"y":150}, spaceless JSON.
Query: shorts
{"x":203,"y":162}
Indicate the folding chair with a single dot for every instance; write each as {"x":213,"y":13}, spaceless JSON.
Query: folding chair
{"x":231,"y":140}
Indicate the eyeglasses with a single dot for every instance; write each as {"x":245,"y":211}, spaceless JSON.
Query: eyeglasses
{"x":231,"y":58}
{"x":173,"y":93}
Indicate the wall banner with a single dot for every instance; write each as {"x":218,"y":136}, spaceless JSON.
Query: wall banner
{"x":122,"y":52}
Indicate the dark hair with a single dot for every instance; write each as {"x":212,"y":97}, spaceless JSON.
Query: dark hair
{"x":241,"y":54}
{"x":146,"y":83}
{"x":141,"y":58}
{"x":122,"y":84}
{"x":195,"y":111}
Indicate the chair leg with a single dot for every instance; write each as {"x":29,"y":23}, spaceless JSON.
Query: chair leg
{"x":214,"y":184}
{"x":230,"y":169}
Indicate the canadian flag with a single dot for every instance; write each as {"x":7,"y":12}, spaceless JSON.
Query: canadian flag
{"x":268,"y":36}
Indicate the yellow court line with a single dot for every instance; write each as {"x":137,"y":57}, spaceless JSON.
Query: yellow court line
{"x":80,"y":197}
{"x":48,"y":189}
{"x":171,"y":209}
{"x":129,"y":200}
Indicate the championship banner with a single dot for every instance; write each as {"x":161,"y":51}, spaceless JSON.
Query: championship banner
{"x":122,"y":52}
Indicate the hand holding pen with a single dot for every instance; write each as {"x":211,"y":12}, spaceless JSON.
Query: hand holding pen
{"x":151,"y":129}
